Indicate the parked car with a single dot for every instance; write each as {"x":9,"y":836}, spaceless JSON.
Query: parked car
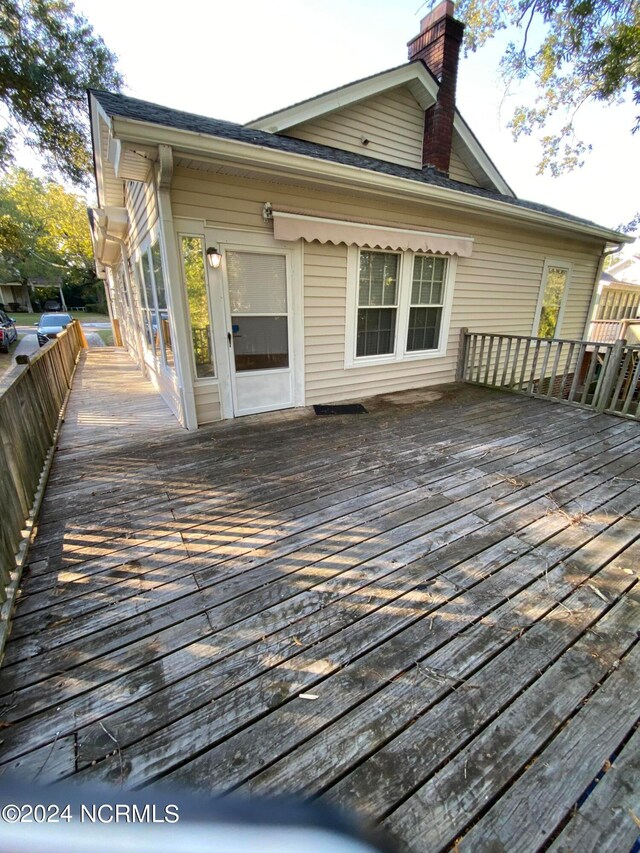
{"x":51,"y":325}
{"x":8,"y":332}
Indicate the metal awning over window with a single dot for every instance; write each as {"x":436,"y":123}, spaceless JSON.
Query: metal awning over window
{"x":293,"y":226}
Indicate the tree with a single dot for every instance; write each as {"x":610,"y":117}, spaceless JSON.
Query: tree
{"x":44,"y":234}
{"x":575,"y":50}
{"x":49,"y":57}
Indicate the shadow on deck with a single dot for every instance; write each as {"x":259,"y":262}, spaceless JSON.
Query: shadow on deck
{"x":427,"y":615}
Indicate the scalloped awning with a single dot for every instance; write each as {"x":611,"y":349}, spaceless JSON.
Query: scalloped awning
{"x":293,"y":226}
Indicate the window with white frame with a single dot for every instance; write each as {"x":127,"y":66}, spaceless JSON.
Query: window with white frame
{"x":402,"y":305}
{"x":553,"y":295}
{"x":427,"y":295}
{"x":377,"y":303}
{"x":149,"y":310}
{"x":153,"y":302}
{"x":195,"y":278}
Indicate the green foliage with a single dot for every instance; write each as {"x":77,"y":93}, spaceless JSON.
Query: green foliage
{"x":575,"y":50}
{"x":552,"y":300}
{"x":44,"y":232}
{"x":195,"y":279}
{"x":194,"y":272}
{"x":631,"y":227}
{"x":49,"y":57}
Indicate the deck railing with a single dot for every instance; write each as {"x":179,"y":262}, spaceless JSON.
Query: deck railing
{"x":32,"y":399}
{"x":602,"y":376}
{"x":610,"y":331}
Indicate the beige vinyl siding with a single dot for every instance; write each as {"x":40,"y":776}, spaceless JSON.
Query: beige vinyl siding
{"x":207,"y":403}
{"x":496,"y":289}
{"x":459,"y":171}
{"x":393,"y":122}
{"x":142,"y":207}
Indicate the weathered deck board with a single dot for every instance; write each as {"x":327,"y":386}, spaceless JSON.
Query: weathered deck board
{"x":608,"y":818}
{"x":547,"y":791}
{"x":454,"y":580}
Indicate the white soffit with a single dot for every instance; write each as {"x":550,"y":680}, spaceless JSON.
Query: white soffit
{"x":291,"y":226}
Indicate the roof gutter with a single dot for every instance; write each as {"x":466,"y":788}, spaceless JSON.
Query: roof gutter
{"x":193,"y":143}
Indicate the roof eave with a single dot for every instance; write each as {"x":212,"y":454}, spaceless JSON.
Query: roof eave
{"x":249,"y":154}
{"x":343,"y":96}
{"x":351,"y":93}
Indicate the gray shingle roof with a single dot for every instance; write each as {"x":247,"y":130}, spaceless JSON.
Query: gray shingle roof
{"x":132,"y":108}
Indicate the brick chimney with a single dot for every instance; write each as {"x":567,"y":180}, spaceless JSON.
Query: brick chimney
{"x":438,"y":45}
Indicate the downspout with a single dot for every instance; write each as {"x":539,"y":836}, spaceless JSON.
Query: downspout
{"x":597,"y":286}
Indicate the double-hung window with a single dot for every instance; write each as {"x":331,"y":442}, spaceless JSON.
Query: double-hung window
{"x":402,"y":305}
{"x":377,"y":303}
{"x":427,"y":295}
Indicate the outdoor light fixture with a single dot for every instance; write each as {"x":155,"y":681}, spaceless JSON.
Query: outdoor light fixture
{"x":214,"y":256}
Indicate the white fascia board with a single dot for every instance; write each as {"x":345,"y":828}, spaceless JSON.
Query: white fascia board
{"x":485,"y":162}
{"x":347,"y":95}
{"x":354,"y":92}
{"x":110,"y":153}
{"x":271,"y":161}
{"x":98,"y":114}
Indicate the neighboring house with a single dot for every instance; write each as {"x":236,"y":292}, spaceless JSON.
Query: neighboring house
{"x":329,"y":251}
{"x":617,"y":305}
{"x":10,"y":293}
{"x":627,"y":270}
{"x":15,"y":295}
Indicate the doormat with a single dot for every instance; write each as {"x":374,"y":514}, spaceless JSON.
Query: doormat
{"x":349,"y":409}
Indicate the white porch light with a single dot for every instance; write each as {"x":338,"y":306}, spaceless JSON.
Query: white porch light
{"x":214,"y":257}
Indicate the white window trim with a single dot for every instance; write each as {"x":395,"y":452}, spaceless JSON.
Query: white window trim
{"x":198,"y":235}
{"x":564,"y":265}
{"x":156,"y":362}
{"x":400,"y":352}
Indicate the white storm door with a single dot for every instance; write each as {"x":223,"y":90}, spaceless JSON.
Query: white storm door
{"x":259,"y":319}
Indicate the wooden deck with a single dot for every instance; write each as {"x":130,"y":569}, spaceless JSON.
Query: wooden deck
{"x":428,"y":615}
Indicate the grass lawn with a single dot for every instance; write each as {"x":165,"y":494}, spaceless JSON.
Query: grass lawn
{"x":7,"y":360}
{"x":83,"y":316}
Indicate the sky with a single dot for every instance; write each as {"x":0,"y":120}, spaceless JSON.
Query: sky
{"x":239,"y":60}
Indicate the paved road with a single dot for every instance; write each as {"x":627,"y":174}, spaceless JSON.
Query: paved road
{"x":29,"y":342}
{"x":28,"y":327}
{"x":28,"y":345}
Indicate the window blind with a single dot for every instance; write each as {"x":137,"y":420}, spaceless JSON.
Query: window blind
{"x":257,"y":283}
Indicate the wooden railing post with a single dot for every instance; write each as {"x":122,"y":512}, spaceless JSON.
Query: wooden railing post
{"x":117,"y":335}
{"x":82,"y":340}
{"x":601,"y":403}
{"x":461,"y":366}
